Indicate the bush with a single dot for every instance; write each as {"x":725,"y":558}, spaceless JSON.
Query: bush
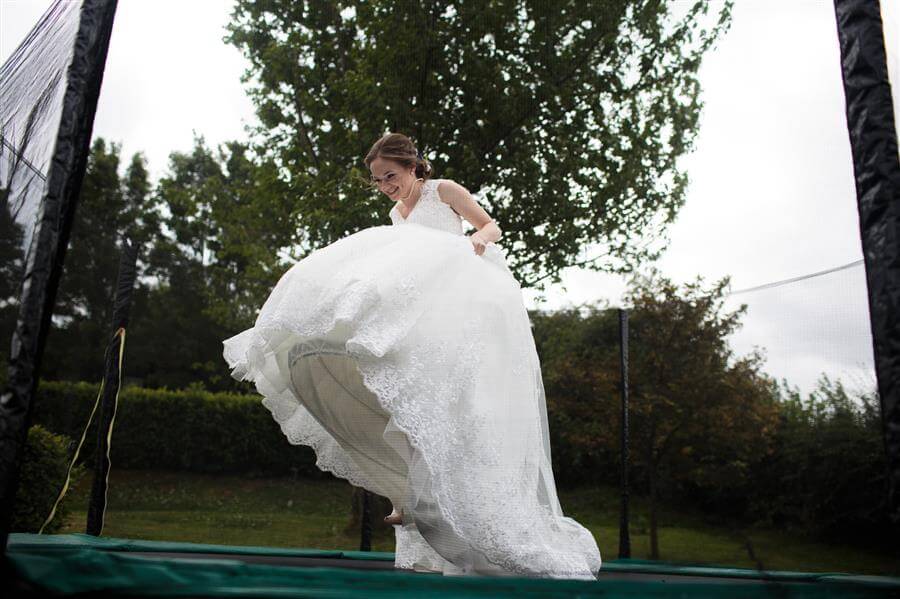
{"x":190,"y":430}
{"x":43,"y":471}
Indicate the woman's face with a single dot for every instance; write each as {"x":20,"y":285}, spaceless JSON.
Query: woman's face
{"x":393,"y":179}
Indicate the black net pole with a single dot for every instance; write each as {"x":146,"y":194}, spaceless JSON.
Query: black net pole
{"x":365,"y":529}
{"x":624,"y":537}
{"x":873,"y":141}
{"x":113,"y":374}
{"x":47,"y":250}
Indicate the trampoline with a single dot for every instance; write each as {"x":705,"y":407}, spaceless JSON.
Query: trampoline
{"x":84,"y":565}
{"x":46,"y":160}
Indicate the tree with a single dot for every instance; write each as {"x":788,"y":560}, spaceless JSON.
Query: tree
{"x":567,"y":118}
{"x":109,"y":208}
{"x":827,"y":473}
{"x":699,"y":419}
{"x":697,"y":416}
{"x":579,"y":355}
{"x":224,"y":219}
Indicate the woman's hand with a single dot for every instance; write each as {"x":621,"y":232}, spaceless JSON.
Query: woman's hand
{"x":478,"y":242}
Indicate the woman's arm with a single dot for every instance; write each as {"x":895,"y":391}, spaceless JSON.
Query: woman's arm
{"x":458,"y":197}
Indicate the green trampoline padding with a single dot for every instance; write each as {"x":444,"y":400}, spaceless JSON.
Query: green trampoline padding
{"x":29,"y":541}
{"x":73,"y":563}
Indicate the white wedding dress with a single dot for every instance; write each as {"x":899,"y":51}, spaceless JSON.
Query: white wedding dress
{"x":407,"y":362}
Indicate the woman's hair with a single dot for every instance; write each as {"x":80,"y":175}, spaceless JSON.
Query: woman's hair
{"x":399,"y":148}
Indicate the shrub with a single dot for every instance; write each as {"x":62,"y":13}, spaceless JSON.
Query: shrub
{"x":43,"y":470}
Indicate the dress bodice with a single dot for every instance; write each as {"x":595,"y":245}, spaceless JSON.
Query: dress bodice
{"x":430,"y":211}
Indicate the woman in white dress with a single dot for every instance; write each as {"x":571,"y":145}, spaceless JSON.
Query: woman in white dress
{"x":403,"y":355}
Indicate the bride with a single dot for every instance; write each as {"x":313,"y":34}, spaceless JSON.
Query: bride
{"x":403,"y":355}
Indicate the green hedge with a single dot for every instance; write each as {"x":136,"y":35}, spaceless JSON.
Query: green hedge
{"x":188,"y":430}
{"x":43,"y":470}
{"x":826,"y":474}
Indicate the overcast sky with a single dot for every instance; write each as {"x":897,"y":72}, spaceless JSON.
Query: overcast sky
{"x":771,"y":197}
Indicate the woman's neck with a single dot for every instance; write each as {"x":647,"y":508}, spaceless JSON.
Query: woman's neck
{"x":410,"y":201}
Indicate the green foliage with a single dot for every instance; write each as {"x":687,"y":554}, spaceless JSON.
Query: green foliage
{"x":222,"y":225}
{"x":715,"y":431}
{"x":696,"y":419}
{"x":110,"y":208}
{"x":44,"y":463}
{"x":568,"y":117}
{"x":191,"y":430}
{"x":823,"y":471}
{"x":227,"y":219}
{"x":828,"y":463}
{"x":701,"y":415}
{"x":206,"y":232}
{"x":578,"y":350}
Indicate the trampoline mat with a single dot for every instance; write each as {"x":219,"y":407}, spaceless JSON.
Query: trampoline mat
{"x":79,"y":563}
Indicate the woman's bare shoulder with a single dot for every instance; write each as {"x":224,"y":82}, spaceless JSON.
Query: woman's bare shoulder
{"x":448,"y":188}
{"x":453,"y":194}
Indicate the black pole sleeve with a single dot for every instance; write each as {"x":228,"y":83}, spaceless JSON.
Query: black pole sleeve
{"x":873,"y":141}
{"x":43,"y":265}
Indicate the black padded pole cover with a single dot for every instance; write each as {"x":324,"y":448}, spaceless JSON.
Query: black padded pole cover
{"x":873,"y":140}
{"x":121,"y":311}
{"x":48,"y":244}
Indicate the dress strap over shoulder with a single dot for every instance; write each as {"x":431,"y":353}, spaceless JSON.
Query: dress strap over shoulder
{"x":434,"y":189}
{"x":430,"y":211}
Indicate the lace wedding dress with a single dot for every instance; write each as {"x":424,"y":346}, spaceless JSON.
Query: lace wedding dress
{"x":407,"y":362}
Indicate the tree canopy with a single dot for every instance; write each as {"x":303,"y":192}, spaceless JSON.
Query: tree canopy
{"x":565,"y":119}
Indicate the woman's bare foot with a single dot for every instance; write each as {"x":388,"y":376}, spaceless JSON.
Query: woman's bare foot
{"x":394,"y":517}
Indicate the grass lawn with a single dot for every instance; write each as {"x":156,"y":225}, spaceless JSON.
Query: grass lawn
{"x":232,"y":510}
